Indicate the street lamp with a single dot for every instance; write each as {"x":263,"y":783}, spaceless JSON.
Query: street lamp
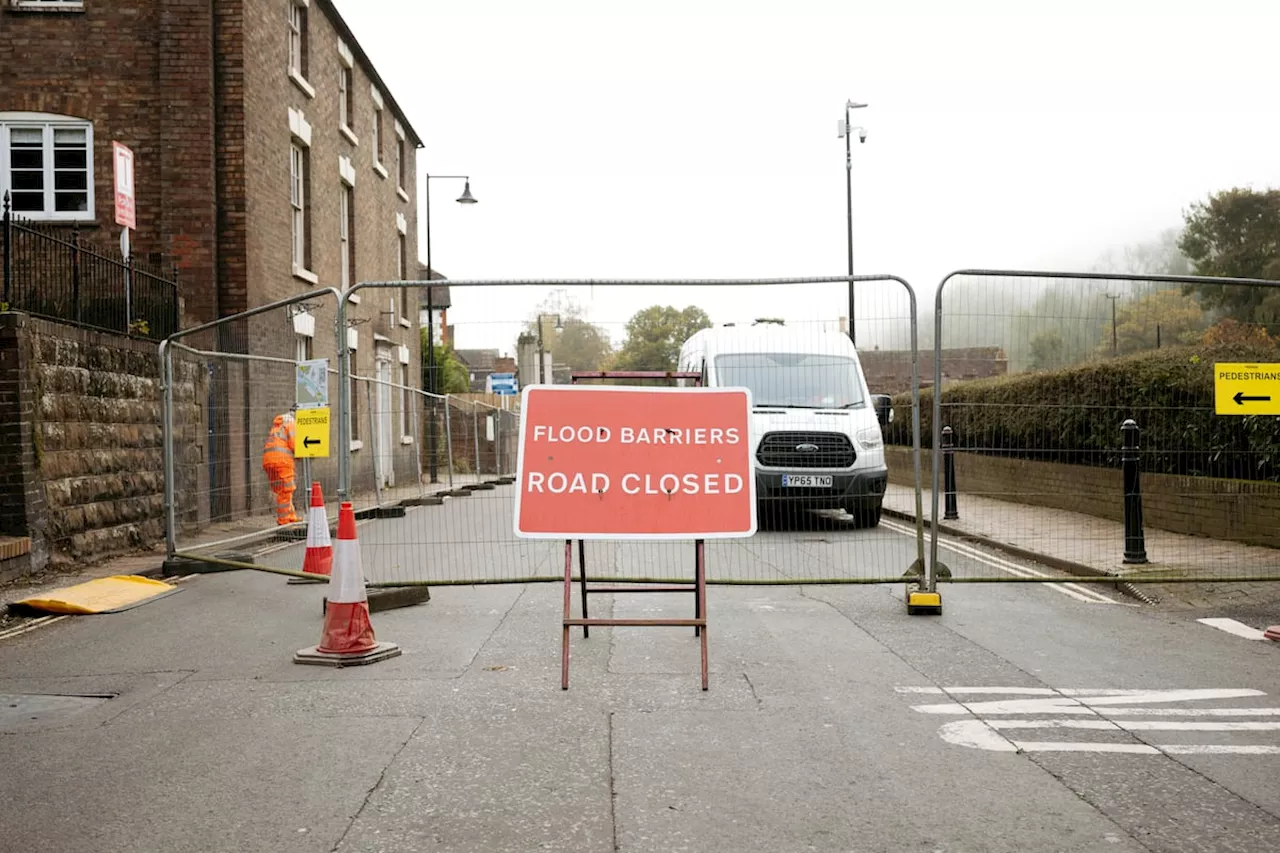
{"x":465,"y":198}
{"x":847,"y":132}
{"x":542,"y":357}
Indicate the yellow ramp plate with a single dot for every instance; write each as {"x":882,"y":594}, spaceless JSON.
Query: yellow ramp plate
{"x":104,"y":595}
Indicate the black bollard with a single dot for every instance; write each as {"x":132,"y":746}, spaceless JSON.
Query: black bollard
{"x":949,"y":473}
{"x":1135,"y":549}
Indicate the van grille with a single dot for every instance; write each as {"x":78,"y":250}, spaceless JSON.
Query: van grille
{"x":778,"y":450}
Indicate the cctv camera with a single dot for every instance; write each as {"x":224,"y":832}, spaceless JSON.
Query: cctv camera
{"x":862,"y":136}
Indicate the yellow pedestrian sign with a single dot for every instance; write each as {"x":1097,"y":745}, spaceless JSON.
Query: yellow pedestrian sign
{"x":1246,"y":389}
{"x":311,"y":433}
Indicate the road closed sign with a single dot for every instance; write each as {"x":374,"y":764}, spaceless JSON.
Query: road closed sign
{"x":634,"y":463}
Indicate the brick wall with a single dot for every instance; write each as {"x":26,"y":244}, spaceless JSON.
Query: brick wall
{"x":140,"y":71}
{"x":1236,"y":510}
{"x":269,"y":94}
{"x":464,"y":429}
{"x":82,"y":455}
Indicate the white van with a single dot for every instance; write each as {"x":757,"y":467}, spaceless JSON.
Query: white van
{"x":816,"y":431}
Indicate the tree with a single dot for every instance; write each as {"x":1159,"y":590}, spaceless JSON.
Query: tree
{"x":1161,"y":256}
{"x":452,"y":376}
{"x":1048,"y":350}
{"x":579,"y":344}
{"x":655,"y":335}
{"x":1236,"y":233}
{"x":1162,"y":317}
{"x":1229,"y":331}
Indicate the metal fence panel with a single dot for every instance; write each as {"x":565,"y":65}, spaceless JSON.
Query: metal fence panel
{"x":1077,"y":426}
{"x":225,"y":383}
{"x":459,"y":530}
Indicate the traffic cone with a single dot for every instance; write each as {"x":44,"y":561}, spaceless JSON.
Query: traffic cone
{"x":319,"y":557}
{"x":1272,"y":633}
{"x":347,"y":637}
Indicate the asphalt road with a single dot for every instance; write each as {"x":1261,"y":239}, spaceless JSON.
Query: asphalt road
{"x":1023,"y":718}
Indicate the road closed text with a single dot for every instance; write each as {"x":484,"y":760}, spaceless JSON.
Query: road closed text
{"x":561,"y":483}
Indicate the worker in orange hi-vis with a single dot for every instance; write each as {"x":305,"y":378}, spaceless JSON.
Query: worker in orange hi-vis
{"x":277,"y":462}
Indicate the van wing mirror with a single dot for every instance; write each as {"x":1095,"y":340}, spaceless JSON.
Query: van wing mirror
{"x":883,"y":404}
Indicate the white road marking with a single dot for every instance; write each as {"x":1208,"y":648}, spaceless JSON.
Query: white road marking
{"x":1029,"y":691}
{"x":1231,"y":626}
{"x":982,"y":730}
{"x":1134,"y":725}
{"x":1073,"y":590}
{"x":1218,"y":749}
{"x":1084,"y":705}
{"x":31,"y":626}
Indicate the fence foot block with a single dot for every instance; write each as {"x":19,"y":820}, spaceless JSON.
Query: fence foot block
{"x":478,"y":487}
{"x":390,"y":598}
{"x":923,"y":603}
{"x":454,"y":493}
{"x":181,"y":566}
{"x":430,"y":500}
{"x":380,"y":512}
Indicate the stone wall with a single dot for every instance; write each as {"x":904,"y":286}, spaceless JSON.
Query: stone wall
{"x":1235,"y":510}
{"x":83,"y":447}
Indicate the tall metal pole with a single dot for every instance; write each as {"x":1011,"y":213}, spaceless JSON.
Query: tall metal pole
{"x":432,"y":442}
{"x":848,"y":195}
{"x":848,"y":201}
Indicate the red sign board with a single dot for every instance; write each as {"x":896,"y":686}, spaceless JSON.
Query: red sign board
{"x":126,"y":214}
{"x":610,"y":462}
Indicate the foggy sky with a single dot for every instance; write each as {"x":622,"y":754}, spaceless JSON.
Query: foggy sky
{"x":692,"y":139}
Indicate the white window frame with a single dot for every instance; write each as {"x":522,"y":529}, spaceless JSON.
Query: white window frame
{"x":298,"y":207}
{"x":346,"y":91}
{"x":378,"y":109}
{"x":47,"y":123}
{"x":302,"y":347}
{"x":301,"y":171}
{"x":299,"y":38}
{"x":402,"y":163}
{"x":344,"y":235}
{"x":353,"y":414}
{"x":47,"y":5}
{"x":406,"y":401}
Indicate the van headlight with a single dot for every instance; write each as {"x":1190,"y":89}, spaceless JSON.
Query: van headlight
{"x":871,"y":438}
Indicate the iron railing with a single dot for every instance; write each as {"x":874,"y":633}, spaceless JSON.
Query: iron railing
{"x":52,"y":272}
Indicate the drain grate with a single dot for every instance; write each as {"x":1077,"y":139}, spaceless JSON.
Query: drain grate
{"x":23,"y":709}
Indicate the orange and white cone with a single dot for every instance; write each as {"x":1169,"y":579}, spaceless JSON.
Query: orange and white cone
{"x":319,"y":557}
{"x":347,"y":637}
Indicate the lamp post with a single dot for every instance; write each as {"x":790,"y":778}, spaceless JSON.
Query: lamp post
{"x":465,"y":198}
{"x":846,"y":131}
{"x":542,"y":370}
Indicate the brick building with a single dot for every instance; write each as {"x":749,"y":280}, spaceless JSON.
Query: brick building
{"x":269,"y":158}
{"x":889,"y":371}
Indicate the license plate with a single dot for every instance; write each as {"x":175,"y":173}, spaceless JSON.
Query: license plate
{"x":806,"y":481}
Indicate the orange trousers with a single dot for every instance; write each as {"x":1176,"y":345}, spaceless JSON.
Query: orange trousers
{"x":282,"y":484}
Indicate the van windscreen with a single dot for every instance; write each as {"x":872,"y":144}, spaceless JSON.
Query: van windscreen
{"x":792,"y":380}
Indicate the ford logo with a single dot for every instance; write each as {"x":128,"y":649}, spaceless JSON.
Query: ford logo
{"x":807,"y":448}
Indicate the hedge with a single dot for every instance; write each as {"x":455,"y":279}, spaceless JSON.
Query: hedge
{"x":1074,"y":415}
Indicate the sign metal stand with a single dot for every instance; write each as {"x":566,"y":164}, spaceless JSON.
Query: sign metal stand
{"x":698,"y":588}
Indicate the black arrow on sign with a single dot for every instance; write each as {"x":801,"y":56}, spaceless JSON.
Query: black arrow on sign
{"x":1241,"y":398}
{"x":308,"y":441}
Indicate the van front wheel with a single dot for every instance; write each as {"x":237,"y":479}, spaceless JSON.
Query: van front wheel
{"x":866,"y":513}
